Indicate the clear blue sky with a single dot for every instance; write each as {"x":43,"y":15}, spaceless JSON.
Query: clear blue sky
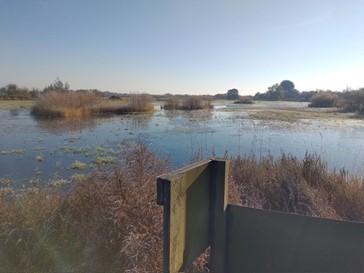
{"x":182,"y":46}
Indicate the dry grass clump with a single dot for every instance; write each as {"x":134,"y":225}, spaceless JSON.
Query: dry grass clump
{"x":108,"y":223}
{"x":136,"y":103}
{"x":299,"y":186}
{"x":186,"y":103}
{"x":71,"y":104}
{"x":353,"y":101}
{"x":324,"y":99}
{"x":67,"y":104}
{"x":245,"y":100}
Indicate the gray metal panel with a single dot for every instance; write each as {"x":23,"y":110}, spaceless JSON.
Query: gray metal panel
{"x":267,"y":241}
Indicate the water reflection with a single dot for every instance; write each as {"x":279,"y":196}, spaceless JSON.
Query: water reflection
{"x":137,"y":121}
{"x":56,"y":126}
{"x":14,"y":112}
{"x":178,"y":135}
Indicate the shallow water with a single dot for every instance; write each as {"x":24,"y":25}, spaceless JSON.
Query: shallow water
{"x":32,"y":150}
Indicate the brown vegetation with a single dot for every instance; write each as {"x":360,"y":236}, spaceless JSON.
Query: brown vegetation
{"x":186,"y":103}
{"x":353,"y":101}
{"x":245,"y":100}
{"x":324,"y":99}
{"x":299,"y":186}
{"x":80,"y":104}
{"x":65,"y":104}
{"x":110,"y":222}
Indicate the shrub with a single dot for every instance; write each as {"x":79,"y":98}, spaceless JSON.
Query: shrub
{"x":139,"y":103}
{"x":186,"y":103}
{"x":353,"y":101}
{"x":245,"y":100}
{"x":172,"y":103}
{"x":66,"y":104}
{"x":324,"y":99}
{"x":81,"y":104}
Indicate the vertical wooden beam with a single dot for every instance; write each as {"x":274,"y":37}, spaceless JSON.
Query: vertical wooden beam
{"x":219,"y":200}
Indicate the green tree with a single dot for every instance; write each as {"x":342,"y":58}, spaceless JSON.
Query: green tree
{"x":57,"y":85}
{"x":232,"y":94}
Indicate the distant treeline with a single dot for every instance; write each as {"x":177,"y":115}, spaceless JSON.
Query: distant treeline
{"x":285,"y":91}
{"x":347,"y":101}
{"x":14,"y":92}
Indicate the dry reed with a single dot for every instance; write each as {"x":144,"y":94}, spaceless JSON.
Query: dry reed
{"x":110,"y":222}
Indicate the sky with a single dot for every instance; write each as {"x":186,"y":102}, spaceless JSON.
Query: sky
{"x":182,"y":46}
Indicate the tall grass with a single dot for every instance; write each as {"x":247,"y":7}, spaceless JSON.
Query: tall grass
{"x":70,"y":104}
{"x":65,"y":104}
{"x":299,"y":186}
{"x":186,"y":103}
{"x":110,"y":222}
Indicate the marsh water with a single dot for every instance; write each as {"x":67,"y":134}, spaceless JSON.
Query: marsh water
{"x":47,"y":150}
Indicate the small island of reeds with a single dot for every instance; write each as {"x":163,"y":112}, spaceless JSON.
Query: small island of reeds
{"x":186,"y":103}
{"x":82,"y":104}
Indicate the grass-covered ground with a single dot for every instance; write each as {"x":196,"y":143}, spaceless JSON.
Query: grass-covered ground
{"x":109,"y":221}
{"x":15,"y":104}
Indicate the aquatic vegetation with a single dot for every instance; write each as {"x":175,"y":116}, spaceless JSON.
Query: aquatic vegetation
{"x":74,"y":150}
{"x":104,"y":160}
{"x":136,"y":103}
{"x":58,"y":183}
{"x":101,"y":149}
{"x":5,"y":182}
{"x":186,"y":103}
{"x":65,"y":104}
{"x":12,"y":152}
{"x":78,"y":177}
{"x":83,"y":104}
{"x":78,"y":165}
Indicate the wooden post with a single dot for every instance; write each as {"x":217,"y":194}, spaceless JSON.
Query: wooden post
{"x":194,"y":200}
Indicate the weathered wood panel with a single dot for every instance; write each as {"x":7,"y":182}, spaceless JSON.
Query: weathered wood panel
{"x":194,"y":200}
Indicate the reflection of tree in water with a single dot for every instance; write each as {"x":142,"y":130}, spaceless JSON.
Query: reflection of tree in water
{"x":66,"y":125}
